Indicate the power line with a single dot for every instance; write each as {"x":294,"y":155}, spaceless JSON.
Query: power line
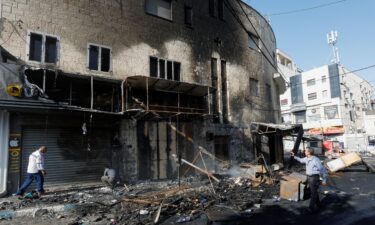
{"x":306,"y":9}
{"x":352,"y":71}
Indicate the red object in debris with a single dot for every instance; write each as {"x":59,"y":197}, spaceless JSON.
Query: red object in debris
{"x":328,"y":145}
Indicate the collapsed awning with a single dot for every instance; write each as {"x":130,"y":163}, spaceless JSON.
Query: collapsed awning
{"x":159,"y":84}
{"x":265,"y":128}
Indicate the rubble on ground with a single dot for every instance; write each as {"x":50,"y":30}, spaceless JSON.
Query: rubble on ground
{"x":167,"y":202}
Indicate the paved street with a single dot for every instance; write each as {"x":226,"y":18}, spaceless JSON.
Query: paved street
{"x":349,"y":201}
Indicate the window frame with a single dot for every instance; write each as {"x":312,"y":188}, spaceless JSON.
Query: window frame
{"x":186,"y":17}
{"x":43,"y":51}
{"x":312,"y":96}
{"x":255,"y":42}
{"x":99,"y":58}
{"x":211,"y":8}
{"x":252,"y":93}
{"x":310,"y":82}
{"x":300,"y":113}
{"x":166,"y":61}
{"x":155,"y":14}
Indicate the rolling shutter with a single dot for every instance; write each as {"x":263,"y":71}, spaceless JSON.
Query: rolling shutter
{"x":69,"y":158}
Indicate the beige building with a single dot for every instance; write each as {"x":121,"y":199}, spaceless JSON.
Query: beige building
{"x":128,"y":84}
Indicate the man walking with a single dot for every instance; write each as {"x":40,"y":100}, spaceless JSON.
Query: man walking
{"x":35,"y":171}
{"x":314,"y":169}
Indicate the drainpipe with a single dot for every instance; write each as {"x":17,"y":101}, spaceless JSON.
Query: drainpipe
{"x":4,"y":138}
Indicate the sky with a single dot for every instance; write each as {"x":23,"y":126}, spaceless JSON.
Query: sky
{"x":303,"y":35}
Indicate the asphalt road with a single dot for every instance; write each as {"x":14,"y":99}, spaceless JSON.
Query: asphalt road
{"x":348,"y":199}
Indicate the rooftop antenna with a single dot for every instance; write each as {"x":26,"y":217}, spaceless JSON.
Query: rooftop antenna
{"x":332,"y":40}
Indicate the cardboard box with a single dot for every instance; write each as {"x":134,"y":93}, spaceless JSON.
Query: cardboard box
{"x":289,"y":189}
{"x":344,"y":161}
{"x":292,"y":188}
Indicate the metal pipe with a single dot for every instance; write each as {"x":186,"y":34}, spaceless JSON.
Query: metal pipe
{"x":92,"y":93}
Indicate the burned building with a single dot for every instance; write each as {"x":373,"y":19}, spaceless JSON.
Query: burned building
{"x":127,"y":84}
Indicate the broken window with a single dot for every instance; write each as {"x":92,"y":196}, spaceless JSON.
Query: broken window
{"x":160,"y":8}
{"x":220,"y":9}
{"x":169,"y":70}
{"x":176,"y":71}
{"x":164,"y":69}
{"x":224,"y":90}
{"x":211,"y":6}
{"x":99,"y":58}
{"x":51,"y":50}
{"x":188,"y":15}
{"x":215,"y":85}
{"x":300,"y":116}
{"x":254,"y":87}
{"x":253,"y":41}
{"x":153,"y":67}
{"x":43,"y":48}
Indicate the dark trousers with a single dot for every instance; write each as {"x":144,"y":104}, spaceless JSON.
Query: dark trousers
{"x":314,"y":183}
{"x":38,"y":177}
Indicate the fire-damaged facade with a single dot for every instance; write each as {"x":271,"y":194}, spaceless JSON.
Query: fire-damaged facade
{"x":129,"y":84}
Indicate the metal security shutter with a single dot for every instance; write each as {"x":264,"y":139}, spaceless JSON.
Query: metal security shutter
{"x":68,"y":159}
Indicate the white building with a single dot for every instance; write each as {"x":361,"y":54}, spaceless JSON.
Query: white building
{"x":370,"y":129}
{"x":329,"y":101}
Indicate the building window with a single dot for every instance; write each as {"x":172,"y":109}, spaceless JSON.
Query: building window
{"x":189,"y":16}
{"x":220,"y":9}
{"x":310,"y":82}
{"x":253,"y":41}
{"x":331,"y":112}
{"x":211,"y":7}
{"x":311,"y":96}
{"x":160,"y":8}
{"x":324,"y":94}
{"x":296,"y":89}
{"x":300,"y":116}
{"x":254,"y":87}
{"x":43,"y":48}
{"x":324,"y":79}
{"x":284,"y":102}
{"x":269,"y":93}
{"x":165,"y":69}
{"x":99,"y":58}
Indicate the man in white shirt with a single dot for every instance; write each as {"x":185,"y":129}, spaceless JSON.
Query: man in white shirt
{"x":108,"y":177}
{"x":35,"y":171}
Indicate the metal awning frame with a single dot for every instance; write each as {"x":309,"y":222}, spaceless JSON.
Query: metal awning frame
{"x":162,"y":85}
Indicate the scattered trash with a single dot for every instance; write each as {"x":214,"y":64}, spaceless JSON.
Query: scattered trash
{"x":105,"y":190}
{"x":276,"y":198}
{"x":257,"y":206}
{"x":69,"y":207}
{"x":248,"y":211}
{"x":143,"y":212}
{"x":40,"y":212}
{"x":183,"y":219}
{"x":6,"y":215}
